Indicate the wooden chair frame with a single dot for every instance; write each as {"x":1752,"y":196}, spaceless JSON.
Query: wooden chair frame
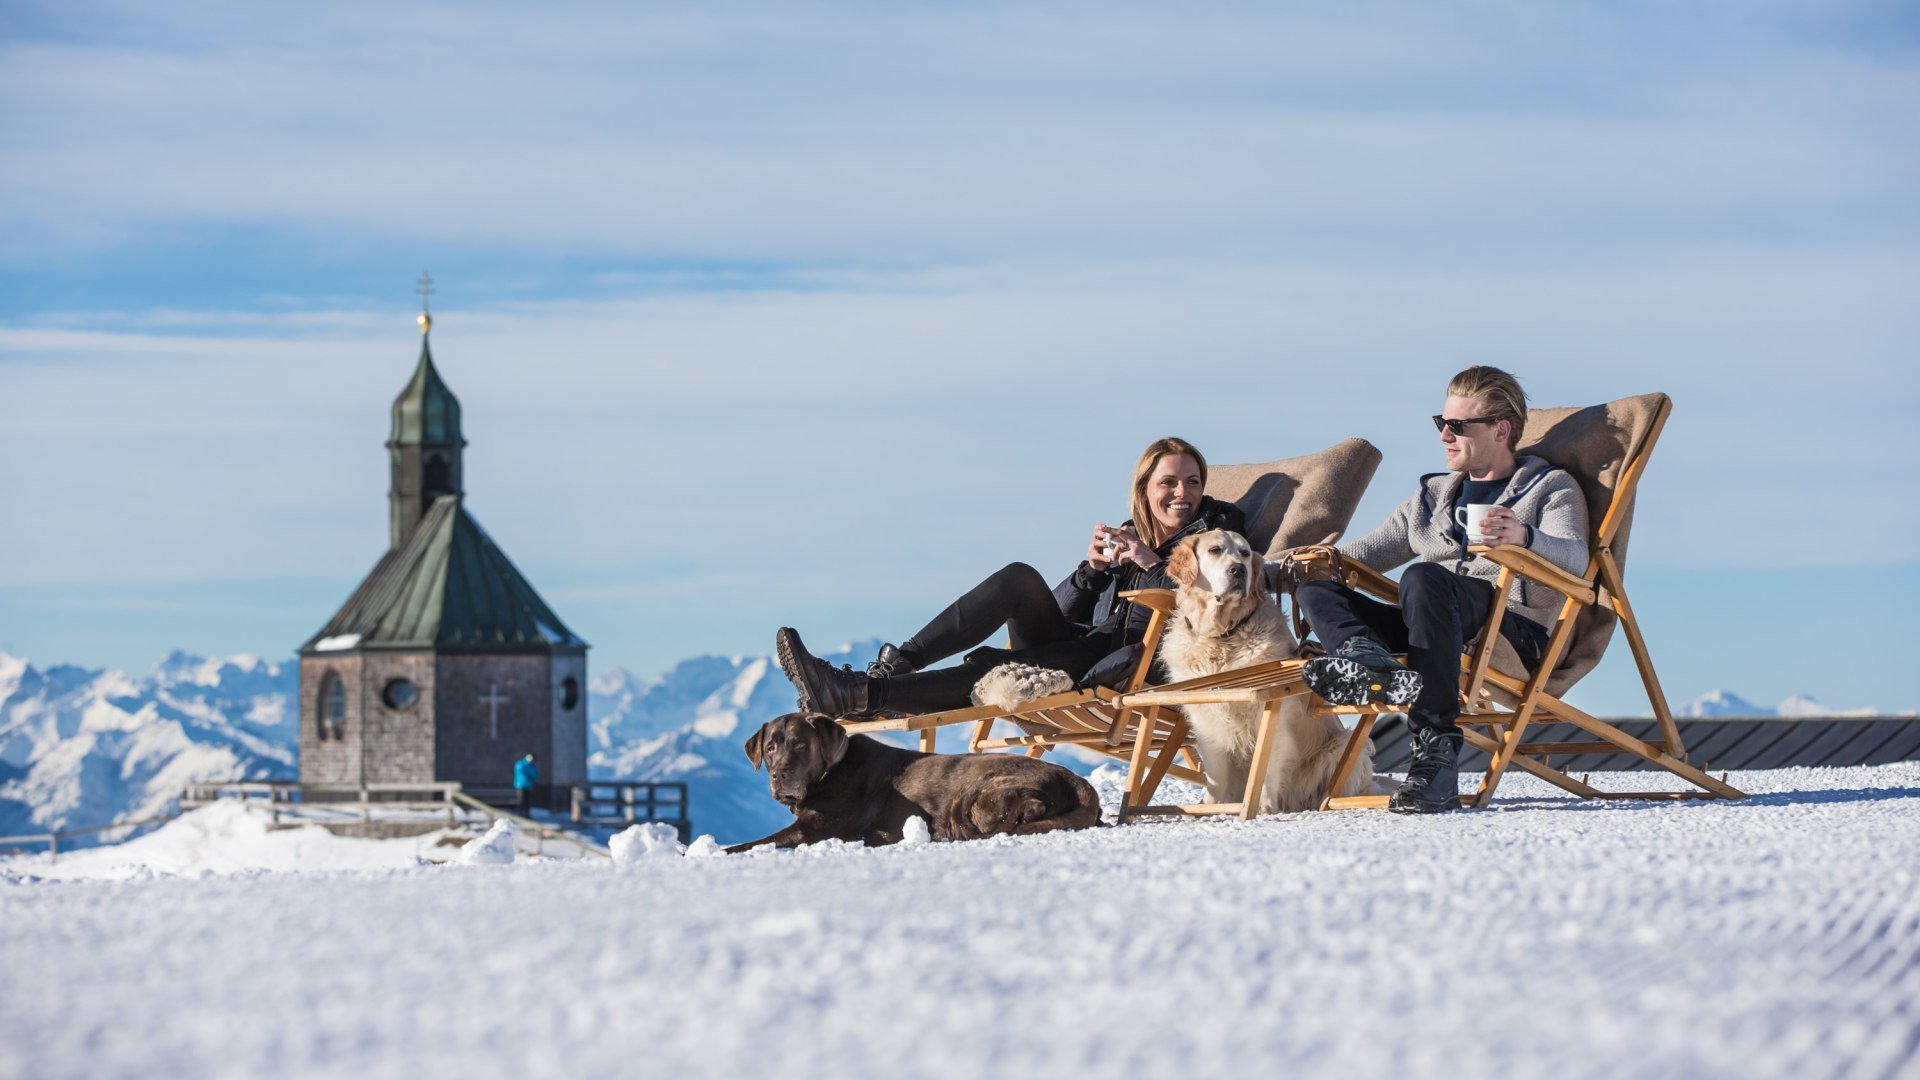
{"x":1504,"y":726}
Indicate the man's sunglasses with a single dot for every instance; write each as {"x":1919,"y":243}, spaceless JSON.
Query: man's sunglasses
{"x":1459,"y":427}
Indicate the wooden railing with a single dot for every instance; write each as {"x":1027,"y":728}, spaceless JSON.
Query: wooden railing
{"x":283,"y":794}
{"x":541,"y":833}
{"x":625,"y":802}
{"x":53,"y":839}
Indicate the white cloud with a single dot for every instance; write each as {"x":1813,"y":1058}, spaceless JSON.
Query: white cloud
{"x":997,"y":409}
{"x":861,"y":134}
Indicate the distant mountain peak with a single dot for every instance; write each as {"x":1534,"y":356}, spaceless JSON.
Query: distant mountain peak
{"x":1721,"y":703}
{"x":1799,"y":706}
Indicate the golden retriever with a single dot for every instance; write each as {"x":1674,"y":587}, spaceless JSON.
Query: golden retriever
{"x":1224,"y":619}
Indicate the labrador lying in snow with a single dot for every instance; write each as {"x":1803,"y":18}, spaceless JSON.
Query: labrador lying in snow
{"x":843,"y":787}
{"x":1224,"y":620}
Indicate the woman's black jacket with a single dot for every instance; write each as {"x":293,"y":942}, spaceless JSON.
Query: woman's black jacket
{"x":1092,"y":597}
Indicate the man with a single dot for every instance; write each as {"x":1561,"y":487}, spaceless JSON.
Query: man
{"x":525,"y":775}
{"x":1446,"y":595}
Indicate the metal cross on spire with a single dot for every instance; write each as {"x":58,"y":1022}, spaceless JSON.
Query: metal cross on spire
{"x":425,"y":290}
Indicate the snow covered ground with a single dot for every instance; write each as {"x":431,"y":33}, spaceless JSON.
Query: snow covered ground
{"x":1778,"y":936}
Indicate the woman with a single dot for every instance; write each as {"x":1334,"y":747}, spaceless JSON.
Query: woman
{"x":1080,"y":626}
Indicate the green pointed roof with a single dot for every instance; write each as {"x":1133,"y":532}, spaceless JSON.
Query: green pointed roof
{"x":448,"y":587}
{"x":426,"y":413}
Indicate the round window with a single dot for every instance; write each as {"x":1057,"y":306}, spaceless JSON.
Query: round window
{"x":569,"y":693}
{"x":400,"y":694}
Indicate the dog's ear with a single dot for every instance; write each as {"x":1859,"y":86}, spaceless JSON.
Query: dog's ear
{"x":1183,"y":566}
{"x":833,"y":738}
{"x":757,"y":745}
{"x":1259,"y":570}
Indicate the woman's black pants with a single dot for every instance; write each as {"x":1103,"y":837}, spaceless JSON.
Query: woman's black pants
{"x":1016,"y":597}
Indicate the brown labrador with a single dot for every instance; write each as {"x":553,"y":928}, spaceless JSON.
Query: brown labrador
{"x":843,"y":787}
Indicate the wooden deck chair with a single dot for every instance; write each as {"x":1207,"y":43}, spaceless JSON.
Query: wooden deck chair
{"x":1287,"y":503}
{"x":1606,"y":448}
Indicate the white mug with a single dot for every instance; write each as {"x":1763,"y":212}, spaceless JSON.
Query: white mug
{"x":1470,"y":517}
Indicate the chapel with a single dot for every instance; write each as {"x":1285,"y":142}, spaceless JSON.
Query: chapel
{"x":445,"y":663}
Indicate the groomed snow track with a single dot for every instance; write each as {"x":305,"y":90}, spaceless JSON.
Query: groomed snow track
{"x":1774,"y":936}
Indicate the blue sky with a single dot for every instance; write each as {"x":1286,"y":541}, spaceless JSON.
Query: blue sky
{"x":812,"y":315}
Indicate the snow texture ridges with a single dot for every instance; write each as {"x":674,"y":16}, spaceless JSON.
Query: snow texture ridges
{"x":1775,"y":936}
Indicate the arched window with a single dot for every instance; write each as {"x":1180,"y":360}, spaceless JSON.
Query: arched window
{"x":332,"y":721}
{"x":439,"y":476}
{"x":569,"y":693}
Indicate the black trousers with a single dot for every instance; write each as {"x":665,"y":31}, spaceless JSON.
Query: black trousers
{"x":1439,"y":610}
{"x":1016,"y":597}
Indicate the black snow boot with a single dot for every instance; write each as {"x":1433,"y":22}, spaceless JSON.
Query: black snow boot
{"x":1433,"y":775}
{"x":1361,"y":672}
{"x":889,"y":663}
{"x":823,"y":688}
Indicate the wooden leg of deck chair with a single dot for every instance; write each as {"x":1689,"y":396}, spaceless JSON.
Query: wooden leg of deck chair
{"x":1137,"y":762}
{"x":981,"y":732}
{"x":1262,"y":748}
{"x":929,"y":738}
{"x":1536,"y":690}
{"x":1669,"y":731}
{"x":1651,"y":754}
{"x":1175,"y":741}
{"x":1362,"y":732}
{"x":1528,"y":765}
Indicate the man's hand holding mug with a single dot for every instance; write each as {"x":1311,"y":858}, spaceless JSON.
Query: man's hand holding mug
{"x":1486,"y":523}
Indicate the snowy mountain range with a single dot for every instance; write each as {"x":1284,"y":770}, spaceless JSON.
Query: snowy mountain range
{"x":82,"y":747}
{"x":1727,"y":703}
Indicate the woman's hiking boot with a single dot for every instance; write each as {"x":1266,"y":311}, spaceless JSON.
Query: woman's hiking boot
{"x":889,"y":663}
{"x":1433,"y":775}
{"x":1361,"y":672}
{"x":822,"y":687}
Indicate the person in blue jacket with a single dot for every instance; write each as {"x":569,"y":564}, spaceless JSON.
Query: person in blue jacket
{"x":525,"y":775}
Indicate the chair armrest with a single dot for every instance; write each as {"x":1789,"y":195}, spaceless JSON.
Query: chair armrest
{"x":1368,"y":580}
{"x":1531,"y":566}
{"x":1355,"y":574}
{"x":1155,"y":599}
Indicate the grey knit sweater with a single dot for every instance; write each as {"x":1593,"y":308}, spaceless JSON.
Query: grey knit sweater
{"x":1539,"y":493}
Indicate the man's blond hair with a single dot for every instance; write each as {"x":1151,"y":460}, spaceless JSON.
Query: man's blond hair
{"x":1499,"y":395}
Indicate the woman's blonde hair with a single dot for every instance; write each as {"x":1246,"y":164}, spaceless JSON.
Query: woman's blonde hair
{"x":1499,"y":395}
{"x":1143,"y":522}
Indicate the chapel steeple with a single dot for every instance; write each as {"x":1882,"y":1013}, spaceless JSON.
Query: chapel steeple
{"x":426,"y":443}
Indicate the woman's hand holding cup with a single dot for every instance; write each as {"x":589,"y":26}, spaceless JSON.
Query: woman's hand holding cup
{"x":1100,"y":552}
{"x":1128,"y":547}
